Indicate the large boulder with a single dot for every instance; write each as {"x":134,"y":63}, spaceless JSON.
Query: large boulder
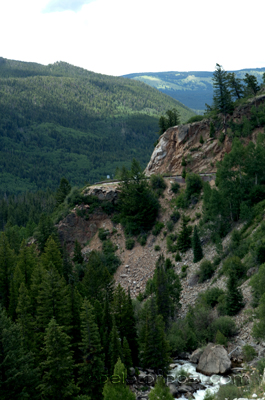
{"x":214,"y":360}
{"x":195,"y":356}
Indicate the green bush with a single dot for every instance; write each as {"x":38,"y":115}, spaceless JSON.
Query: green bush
{"x":175,"y":187}
{"x":170,"y":225}
{"x":261,"y":365}
{"x":206,"y":271}
{"x":224,"y":324}
{"x":170,"y":243}
{"x":181,"y":201}
{"x":220,"y":339}
{"x":103,"y":234}
{"x":157,"y":228}
{"x":234,"y":263}
{"x":175,"y":216}
{"x":158,"y":184}
{"x":248,"y":352}
{"x":142,"y":239}
{"x":178,"y":257}
{"x":211,"y":296}
{"x":194,"y":185}
{"x":157,"y":248}
{"x":228,"y":392}
{"x":196,"y":118}
{"x":129,"y":244}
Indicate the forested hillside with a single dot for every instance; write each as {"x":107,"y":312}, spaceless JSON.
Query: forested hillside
{"x":192,"y":88}
{"x":60,"y":120}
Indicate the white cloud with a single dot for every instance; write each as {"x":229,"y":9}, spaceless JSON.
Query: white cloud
{"x":123,"y":36}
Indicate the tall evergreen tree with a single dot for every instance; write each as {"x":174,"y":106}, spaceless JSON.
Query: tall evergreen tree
{"x":7,"y":266}
{"x":18,"y":376}
{"x":252,"y":86}
{"x":57,"y":367}
{"x":222,"y":97}
{"x":53,"y":302}
{"x":154,"y":346}
{"x":162,"y":291}
{"x":92,"y":367}
{"x":235,"y":84}
{"x":115,"y":349}
{"x":234,"y":296}
{"x":44,"y":230}
{"x":184,"y":238}
{"x":25,"y":318}
{"x":52,"y":255}
{"x":196,"y":245}
{"x":126,"y":353}
{"x":78,"y":256}
{"x":62,"y":191}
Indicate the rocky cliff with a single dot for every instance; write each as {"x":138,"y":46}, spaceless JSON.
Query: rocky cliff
{"x":185,"y":141}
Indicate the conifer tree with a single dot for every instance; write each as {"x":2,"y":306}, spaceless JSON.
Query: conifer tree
{"x":18,"y":376}
{"x":117,"y":389}
{"x":212,"y":130}
{"x":154,"y":346}
{"x":184,"y":238}
{"x":75,"y":300}
{"x":127,"y":355}
{"x":16,"y":280}
{"x":130,"y":331}
{"x":252,"y":85}
{"x":53,"y":301}
{"x":78,"y":256}
{"x":26,"y":261}
{"x":196,"y":245}
{"x":67,"y":265}
{"x":235,"y":85}
{"x":7,"y":266}
{"x":62,"y":191}
{"x":106,"y":329}
{"x":52,"y":255}
{"x":25,"y":318}
{"x":58,"y":365}
{"x":44,"y":230}
{"x":222,"y":97}
{"x":115,"y":349}
{"x":35,"y":287}
{"x":161,"y":391}
{"x":92,"y":367}
{"x":234,"y":296}
{"x":162,"y":291}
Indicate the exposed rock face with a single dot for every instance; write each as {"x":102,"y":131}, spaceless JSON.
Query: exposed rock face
{"x":214,"y":360}
{"x":77,"y":228}
{"x":184,"y":140}
{"x":104,"y":192}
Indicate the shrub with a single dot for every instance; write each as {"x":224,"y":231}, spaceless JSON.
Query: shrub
{"x":175,"y":216}
{"x":158,"y":184}
{"x":224,"y":324}
{"x":181,"y":201}
{"x":234,"y":263}
{"x":142,"y":239}
{"x":194,"y":185}
{"x":220,"y":339}
{"x":129,"y":244}
{"x":178,"y":257}
{"x":198,"y":215}
{"x":248,"y":352}
{"x":157,"y":248}
{"x":196,"y":118}
{"x":206,"y":271}
{"x":103,"y":234}
{"x":157,"y":228}
{"x":261,"y":365}
{"x":228,"y":392}
{"x":211,"y":296}
{"x":175,"y":187}
{"x":170,"y":225}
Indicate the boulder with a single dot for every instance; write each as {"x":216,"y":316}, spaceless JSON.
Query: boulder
{"x":214,"y":360}
{"x":195,"y":356}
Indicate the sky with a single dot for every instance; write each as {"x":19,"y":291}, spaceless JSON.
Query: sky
{"x":118,"y":37}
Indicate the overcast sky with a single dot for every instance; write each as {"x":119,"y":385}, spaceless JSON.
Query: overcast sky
{"x":117,"y":37}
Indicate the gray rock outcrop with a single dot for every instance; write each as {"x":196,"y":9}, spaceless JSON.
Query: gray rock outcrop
{"x":214,"y":360}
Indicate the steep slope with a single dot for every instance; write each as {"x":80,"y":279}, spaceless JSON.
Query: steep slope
{"x":60,"y":120}
{"x":192,"y":88}
{"x":185,"y":141}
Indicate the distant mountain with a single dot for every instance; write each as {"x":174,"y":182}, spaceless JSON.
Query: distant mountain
{"x":60,"y":120}
{"x":193,"y":88}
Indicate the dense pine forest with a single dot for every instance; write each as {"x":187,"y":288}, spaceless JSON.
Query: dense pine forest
{"x":60,"y":120}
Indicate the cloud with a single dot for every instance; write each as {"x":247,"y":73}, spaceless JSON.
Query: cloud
{"x":65,"y":5}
